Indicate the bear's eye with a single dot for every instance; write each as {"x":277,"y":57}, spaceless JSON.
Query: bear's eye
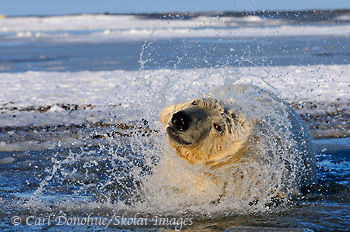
{"x":194,"y":103}
{"x":218,"y":127}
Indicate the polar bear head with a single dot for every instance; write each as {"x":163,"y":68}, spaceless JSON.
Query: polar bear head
{"x":205,"y":131}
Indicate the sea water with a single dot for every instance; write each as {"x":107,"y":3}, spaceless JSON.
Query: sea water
{"x":94,"y":175}
{"x":175,"y":53}
{"x":105,"y":182}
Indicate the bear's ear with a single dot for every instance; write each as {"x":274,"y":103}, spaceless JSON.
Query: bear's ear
{"x":168,"y":112}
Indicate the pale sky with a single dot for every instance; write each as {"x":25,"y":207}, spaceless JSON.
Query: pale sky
{"x":59,"y":7}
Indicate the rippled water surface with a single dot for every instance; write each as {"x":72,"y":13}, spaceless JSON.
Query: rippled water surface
{"x":98,"y":181}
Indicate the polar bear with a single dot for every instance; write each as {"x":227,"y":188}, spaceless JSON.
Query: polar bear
{"x":240,"y":141}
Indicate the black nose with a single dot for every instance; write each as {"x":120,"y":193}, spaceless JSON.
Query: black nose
{"x":181,"y":121}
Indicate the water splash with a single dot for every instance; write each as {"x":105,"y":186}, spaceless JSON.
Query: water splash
{"x":125,"y":173}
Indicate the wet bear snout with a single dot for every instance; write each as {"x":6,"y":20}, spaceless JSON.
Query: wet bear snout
{"x":181,"y":120}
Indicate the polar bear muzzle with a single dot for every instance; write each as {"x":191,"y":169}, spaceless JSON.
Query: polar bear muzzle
{"x":189,"y":126}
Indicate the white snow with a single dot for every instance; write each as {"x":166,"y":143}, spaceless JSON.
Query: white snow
{"x":117,"y":22}
{"x":128,"y":27}
{"x":344,"y":17}
{"x":112,"y":89}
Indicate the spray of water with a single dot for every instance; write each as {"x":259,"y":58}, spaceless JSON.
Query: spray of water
{"x":130,"y":172}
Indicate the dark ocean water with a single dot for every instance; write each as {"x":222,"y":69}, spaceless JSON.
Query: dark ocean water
{"x":40,"y":55}
{"x":325,"y":207}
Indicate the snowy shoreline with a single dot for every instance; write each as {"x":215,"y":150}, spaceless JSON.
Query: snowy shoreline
{"x":49,"y":101}
{"x":317,"y":83}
